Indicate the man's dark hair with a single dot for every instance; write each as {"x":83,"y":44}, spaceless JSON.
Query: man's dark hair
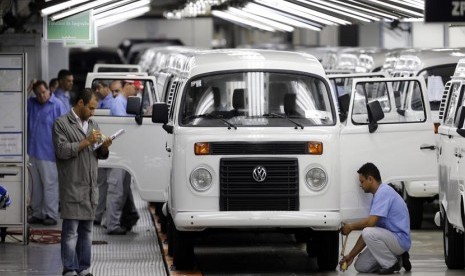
{"x":53,"y":82}
{"x":85,"y":95}
{"x":39,"y":83}
{"x":63,"y":74}
{"x":369,"y":169}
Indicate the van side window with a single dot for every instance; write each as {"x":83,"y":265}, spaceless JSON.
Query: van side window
{"x":454,"y":98}
{"x":403,"y":105}
{"x":170,"y":96}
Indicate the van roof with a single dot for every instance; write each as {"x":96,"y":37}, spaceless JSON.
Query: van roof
{"x":196,"y":62}
{"x":418,"y":59}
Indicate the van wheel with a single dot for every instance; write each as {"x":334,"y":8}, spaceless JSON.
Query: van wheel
{"x":161,"y":218}
{"x":453,"y":246}
{"x":415,"y":210}
{"x":169,"y":234}
{"x":182,"y":248}
{"x":326,"y":248}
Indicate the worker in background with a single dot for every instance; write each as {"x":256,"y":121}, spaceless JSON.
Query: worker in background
{"x":5,"y":199}
{"x":53,"y":85}
{"x":106,"y":100}
{"x":385,"y":233}
{"x":42,"y":110}
{"x":104,"y":94}
{"x":119,"y":195}
{"x":115,"y":87}
{"x":65,"y":84}
{"x":74,"y":135}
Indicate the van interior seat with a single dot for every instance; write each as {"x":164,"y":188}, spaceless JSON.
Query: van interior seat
{"x":238,"y":102}
{"x":290,"y":100}
{"x":277,"y":91}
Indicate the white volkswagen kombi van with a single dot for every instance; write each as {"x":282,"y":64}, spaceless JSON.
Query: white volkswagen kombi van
{"x":253,"y":140}
{"x":436,"y":66}
{"x":451,"y":150}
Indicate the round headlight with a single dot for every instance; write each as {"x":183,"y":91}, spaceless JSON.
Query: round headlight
{"x":201,"y":179}
{"x":316,"y":179}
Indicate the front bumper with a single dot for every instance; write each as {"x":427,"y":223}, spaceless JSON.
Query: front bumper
{"x":422,"y":188}
{"x":198,"y":221}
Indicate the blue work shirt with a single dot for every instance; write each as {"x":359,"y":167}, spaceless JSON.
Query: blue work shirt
{"x":63,"y":96}
{"x":393,"y":214}
{"x":119,"y":106}
{"x":40,"y":120}
{"x":107,"y":102}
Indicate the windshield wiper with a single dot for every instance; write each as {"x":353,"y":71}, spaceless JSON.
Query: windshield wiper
{"x":211,"y":116}
{"x":274,"y":115}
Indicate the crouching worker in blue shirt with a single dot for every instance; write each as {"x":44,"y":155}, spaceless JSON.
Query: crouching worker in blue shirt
{"x":386,"y":231}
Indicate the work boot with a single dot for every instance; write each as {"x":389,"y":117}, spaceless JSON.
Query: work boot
{"x":390,"y":270}
{"x":406,"y":261}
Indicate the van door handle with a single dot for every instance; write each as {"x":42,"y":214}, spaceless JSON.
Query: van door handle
{"x":168,"y":149}
{"x":459,"y":155}
{"x":430,"y":147}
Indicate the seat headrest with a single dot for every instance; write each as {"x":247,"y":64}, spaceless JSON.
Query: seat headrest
{"x":289,"y":103}
{"x":238,"y":98}
{"x":216,"y":96}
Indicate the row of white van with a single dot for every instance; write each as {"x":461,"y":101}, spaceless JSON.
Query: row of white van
{"x":256,"y":139}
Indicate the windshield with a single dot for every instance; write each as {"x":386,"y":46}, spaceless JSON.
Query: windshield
{"x":256,"y":99}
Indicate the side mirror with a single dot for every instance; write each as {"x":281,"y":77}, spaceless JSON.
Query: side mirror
{"x":160,"y":113}
{"x":133,"y":107}
{"x":375,"y":114}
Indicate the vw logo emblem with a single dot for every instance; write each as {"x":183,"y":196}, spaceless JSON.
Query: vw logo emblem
{"x":259,"y":174}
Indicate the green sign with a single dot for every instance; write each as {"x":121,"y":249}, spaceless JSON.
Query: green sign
{"x":93,"y":42}
{"x":76,"y":27}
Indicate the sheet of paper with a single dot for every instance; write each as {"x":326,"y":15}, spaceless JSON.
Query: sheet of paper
{"x":113,"y":137}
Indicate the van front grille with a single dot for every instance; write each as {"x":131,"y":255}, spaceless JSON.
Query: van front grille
{"x":239,"y":191}
{"x":253,"y":148}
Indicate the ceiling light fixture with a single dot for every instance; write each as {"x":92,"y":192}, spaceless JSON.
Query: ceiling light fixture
{"x":395,"y":7}
{"x":340,"y":10}
{"x":370,"y":10}
{"x":111,"y":6}
{"x":61,"y":6}
{"x":262,"y":20}
{"x":279,"y":16}
{"x":122,"y":9}
{"x":120,"y":17}
{"x":303,"y":12}
{"x":236,"y":19}
{"x":79,"y":9}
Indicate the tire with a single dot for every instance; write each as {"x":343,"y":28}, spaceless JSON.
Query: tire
{"x":326,"y":248}
{"x":182,"y":248}
{"x":453,"y":246}
{"x":415,"y":210}
{"x":163,"y":220}
{"x":170,"y":234}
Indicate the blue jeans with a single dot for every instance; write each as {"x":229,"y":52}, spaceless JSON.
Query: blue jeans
{"x":76,"y":245}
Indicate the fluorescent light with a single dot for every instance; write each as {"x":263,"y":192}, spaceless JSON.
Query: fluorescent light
{"x":413,"y":4}
{"x":122,"y":10}
{"x":303,"y":12}
{"x":111,"y":6}
{"x":277,"y":16}
{"x":61,"y":6}
{"x":340,"y":10}
{"x":395,"y":7}
{"x":237,"y":19}
{"x":79,"y":9}
{"x":263,"y":20}
{"x":116,"y":18}
{"x":386,"y":15}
